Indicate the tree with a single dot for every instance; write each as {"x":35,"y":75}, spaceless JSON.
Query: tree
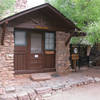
{"x":85,"y":14}
{"x":6,"y":5}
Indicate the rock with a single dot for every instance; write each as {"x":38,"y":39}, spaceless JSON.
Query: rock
{"x":58,"y":86}
{"x":97,"y":79}
{"x":80,"y":83}
{"x":38,"y":97}
{"x":67,"y":87}
{"x":23,"y":96}
{"x":91,"y":80}
{"x":40,"y":76}
{"x":59,"y":91}
{"x":2,"y":91}
{"x":46,"y":95}
{"x":8,"y":97}
{"x":10,"y":89}
{"x":86,"y":82}
{"x":43,"y":90}
{"x":32,"y":94}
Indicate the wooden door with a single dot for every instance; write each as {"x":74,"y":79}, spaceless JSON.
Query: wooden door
{"x":40,"y":59}
{"x":49,"y":48}
{"x":20,"y":51}
{"x":35,"y":51}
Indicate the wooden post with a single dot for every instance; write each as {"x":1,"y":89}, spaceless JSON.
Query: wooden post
{"x":75,"y":57}
{"x":3,"y":33}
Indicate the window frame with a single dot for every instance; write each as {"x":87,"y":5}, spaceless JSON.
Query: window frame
{"x":25,"y":38}
{"x":54,"y":39}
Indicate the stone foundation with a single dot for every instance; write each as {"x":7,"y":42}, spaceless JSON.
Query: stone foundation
{"x":7,"y":57}
{"x":62,"y":53}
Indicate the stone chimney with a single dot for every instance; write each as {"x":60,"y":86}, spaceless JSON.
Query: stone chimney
{"x":20,"y":5}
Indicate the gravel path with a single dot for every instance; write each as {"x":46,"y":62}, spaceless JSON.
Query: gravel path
{"x":87,"y":92}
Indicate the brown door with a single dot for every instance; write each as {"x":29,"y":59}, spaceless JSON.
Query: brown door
{"x":49,"y":50}
{"x":20,"y":51}
{"x":35,"y":51}
{"x":40,"y":57}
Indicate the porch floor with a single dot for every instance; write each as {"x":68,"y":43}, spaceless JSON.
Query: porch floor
{"x":24,"y":87}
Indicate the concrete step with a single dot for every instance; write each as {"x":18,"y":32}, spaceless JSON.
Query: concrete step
{"x":41,"y":76}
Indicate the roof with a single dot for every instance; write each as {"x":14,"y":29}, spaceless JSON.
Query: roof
{"x":46,"y":5}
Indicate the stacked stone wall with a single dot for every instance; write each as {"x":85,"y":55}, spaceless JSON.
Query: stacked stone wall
{"x":7,"y":57}
{"x":62,"y":53}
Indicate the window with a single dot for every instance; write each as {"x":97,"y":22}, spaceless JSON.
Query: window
{"x":20,"y":38}
{"x":36,"y":43}
{"x":49,"y":41}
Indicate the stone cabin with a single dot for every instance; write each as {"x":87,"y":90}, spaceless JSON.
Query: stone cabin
{"x":34,"y":41}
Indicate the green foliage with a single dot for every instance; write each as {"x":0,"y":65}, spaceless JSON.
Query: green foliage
{"x":93,"y":31}
{"x":85,"y":14}
{"x":6,"y":5}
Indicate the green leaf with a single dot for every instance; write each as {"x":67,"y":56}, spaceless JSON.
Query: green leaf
{"x":85,"y":14}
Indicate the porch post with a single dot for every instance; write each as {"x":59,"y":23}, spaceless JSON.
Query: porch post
{"x":62,"y":53}
{"x":7,"y":57}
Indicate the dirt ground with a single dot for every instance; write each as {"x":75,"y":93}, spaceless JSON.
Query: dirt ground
{"x":48,"y":89}
{"x":87,"y":92}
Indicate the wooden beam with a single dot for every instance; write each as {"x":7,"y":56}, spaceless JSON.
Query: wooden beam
{"x":74,"y":34}
{"x":66,"y":43}
{"x":3,"y":33}
{"x":78,"y":34}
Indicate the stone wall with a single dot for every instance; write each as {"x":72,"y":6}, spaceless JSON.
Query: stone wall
{"x":7,"y":57}
{"x":62,"y":53}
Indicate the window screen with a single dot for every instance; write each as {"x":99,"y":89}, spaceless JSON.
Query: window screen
{"x":36,"y":43}
{"x":20,"y":38}
{"x":49,"y":41}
